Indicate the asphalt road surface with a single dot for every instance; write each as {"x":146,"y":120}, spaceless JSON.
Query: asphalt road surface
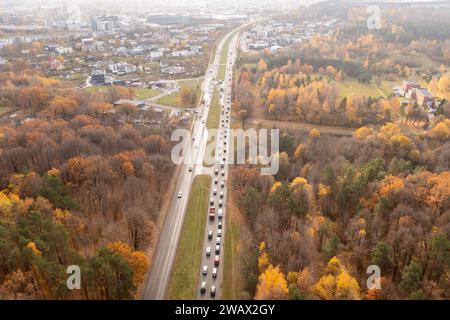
{"x":161,"y":267}
{"x":218,"y":192}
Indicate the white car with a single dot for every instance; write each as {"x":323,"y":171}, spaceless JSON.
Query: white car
{"x":214,"y":191}
{"x":217,"y":241}
{"x":205,"y":270}
{"x":214,"y":272}
{"x":219,"y":232}
{"x":208,"y":251}
{"x":203,"y":287}
{"x":180,"y":194}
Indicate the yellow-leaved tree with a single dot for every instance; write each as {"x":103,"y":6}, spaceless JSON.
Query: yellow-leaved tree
{"x":337,"y":283}
{"x":137,"y":259}
{"x":263,"y":259}
{"x":272,"y":285}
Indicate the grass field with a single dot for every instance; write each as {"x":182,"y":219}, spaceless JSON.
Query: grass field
{"x":141,"y":93}
{"x":184,"y":279}
{"x":174,"y":99}
{"x":354,"y":87}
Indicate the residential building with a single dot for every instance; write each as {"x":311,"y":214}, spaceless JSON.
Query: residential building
{"x":409,"y":85}
{"x":424,"y":98}
{"x":98,"y":77}
{"x":122,"y":68}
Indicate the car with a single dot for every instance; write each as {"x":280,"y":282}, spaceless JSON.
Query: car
{"x":210,"y":234}
{"x":211,"y":201}
{"x":223,"y":173}
{"x":180,"y":194}
{"x":220,"y":214}
{"x":214,"y":191}
{"x":190,"y":169}
{"x":221,"y":194}
{"x":217,"y":250}
{"x":220,"y":203}
{"x":219,"y":232}
{"x":213,"y":291}
{"x":219,"y":225}
{"x":203,"y":287}
{"x":216,"y":172}
{"x":212,"y":210}
{"x":216,"y":260}
{"x":208,"y":251}
{"x":222,"y":165}
{"x":205,"y":270}
{"x":218,"y":240}
{"x":214,"y":272}
{"x":216,"y":181}
{"x":222,"y":184}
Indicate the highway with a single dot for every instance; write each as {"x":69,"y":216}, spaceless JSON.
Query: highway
{"x":161,"y":265}
{"x":211,"y":271}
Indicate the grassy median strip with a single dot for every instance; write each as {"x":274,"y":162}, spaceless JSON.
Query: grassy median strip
{"x":212,"y":122}
{"x":214,"y":112}
{"x":223,"y":57}
{"x":184,"y":279}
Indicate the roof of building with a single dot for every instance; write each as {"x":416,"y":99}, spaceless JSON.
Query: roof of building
{"x":426,"y":93}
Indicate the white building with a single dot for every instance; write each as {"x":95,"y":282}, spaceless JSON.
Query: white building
{"x":122,"y":68}
{"x":156,"y":54}
{"x":63,"y":50}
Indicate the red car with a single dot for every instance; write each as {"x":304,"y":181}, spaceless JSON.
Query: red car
{"x":216,"y":260}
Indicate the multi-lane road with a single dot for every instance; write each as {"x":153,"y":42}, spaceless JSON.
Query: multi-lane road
{"x":211,"y":268}
{"x":162,"y":262}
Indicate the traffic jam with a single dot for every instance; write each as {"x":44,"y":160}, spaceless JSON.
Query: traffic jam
{"x":213,"y":251}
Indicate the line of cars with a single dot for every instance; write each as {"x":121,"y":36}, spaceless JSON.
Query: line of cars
{"x":216,"y":208}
